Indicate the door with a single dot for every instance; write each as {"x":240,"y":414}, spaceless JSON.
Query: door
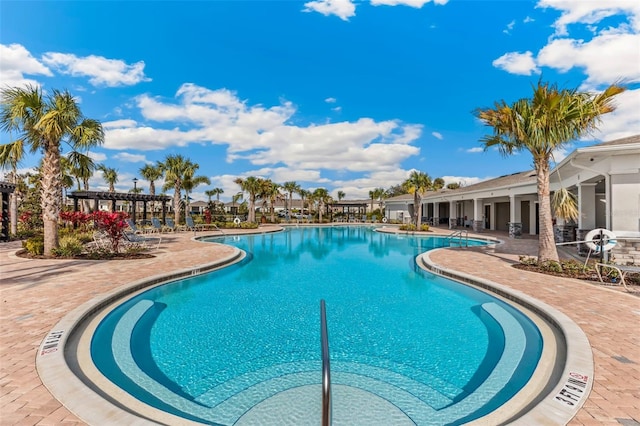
{"x":487,"y":217}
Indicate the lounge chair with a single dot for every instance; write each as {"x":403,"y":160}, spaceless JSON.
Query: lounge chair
{"x":191,"y":225}
{"x":172,"y":225}
{"x":132,"y":225}
{"x":156,"y":226}
{"x":140,"y":240}
{"x":622,"y":271}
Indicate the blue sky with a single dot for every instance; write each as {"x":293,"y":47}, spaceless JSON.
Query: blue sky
{"x":330,"y":93}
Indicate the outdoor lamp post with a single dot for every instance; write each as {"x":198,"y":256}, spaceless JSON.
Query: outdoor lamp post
{"x":135,"y":197}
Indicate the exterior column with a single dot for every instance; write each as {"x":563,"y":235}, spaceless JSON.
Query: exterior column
{"x":515,"y":218}
{"x":532,"y":218}
{"x":436,"y":213}
{"x":453,"y":216}
{"x":587,"y":205}
{"x":477,"y":215}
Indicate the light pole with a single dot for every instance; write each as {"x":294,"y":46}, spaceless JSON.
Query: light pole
{"x":135,"y":197}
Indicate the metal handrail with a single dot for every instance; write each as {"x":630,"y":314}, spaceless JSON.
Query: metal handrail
{"x":326,"y":370}
{"x":459,"y":235}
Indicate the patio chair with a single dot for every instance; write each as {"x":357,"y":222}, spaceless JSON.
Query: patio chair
{"x":157,"y":226}
{"x":374,"y":218}
{"x":622,"y":271}
{"x":172,"y":225}
{"x":132,"y":225}
{"x":191,"y":225}
{"x":133,"y":239}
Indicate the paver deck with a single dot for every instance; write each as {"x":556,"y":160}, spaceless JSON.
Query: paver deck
{"x":36,"y":294}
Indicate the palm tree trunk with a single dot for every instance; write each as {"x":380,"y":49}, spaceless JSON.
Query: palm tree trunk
{"x":419,"y":213}
{"x":176,"y":205}
{"x":252,"y":208}
{"x":546,"y":248}
{"x":51,"y":190}
{"x":13,"y":204}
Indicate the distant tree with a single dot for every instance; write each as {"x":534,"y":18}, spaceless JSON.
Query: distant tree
{"x":454,"y":185}
{"x":321,"y":195}
{"x":418,"y":183}
{"x":379,"y":194}
{"x":151,"y":173}
{"x":341,"y":195}
{"x":270,"y":192}
{"x":251,"y":185}
{"x":290,"y":187}
{"x":43,"y":123}
{"x":438,"y":183}
{"x":304,"y":194}
{"x":547,"y":121}
{"x":11,"y":154}
{"x":177,"y":169}
{"x":190,"y":182}
{"x":396,"y":190}
{"x":110,"y":175}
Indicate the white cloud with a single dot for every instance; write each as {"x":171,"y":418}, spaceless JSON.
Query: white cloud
{"x":606,"y":58}
{"x":517,"y":63}
{"x":263,"y":135}
{"x":337,"y":109}
{"x":528,"y":19}
{"x":18,"y":61}
{"x":591,"y":12}
{"x":343,"y":9}
{"x":131,"y":158}
{"x":100,"y":70}
{"x":116,"y":124}
{"x":464,"y":180}
{"x":97,"y":157}
{"x":625,"y":120}
{"x":437,"y":135}
{"x":413,"y":3}
{"x":330,"y":100}
{"x":475,"y":149}
{"x":510,"y":26}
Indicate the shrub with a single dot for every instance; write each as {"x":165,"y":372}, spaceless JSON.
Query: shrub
{"x":529,"y":261}
{"x":551,"y":266}
{"x":408,"y":227}
{"x":424,"y":228}
{"x":34,"y":245}
{"x":70,"y":246}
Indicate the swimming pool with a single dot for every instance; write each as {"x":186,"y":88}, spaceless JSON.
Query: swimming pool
{"x":241,"y":345}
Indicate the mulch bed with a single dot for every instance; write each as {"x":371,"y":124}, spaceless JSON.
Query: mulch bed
{"x":119,"y":256}
{"x":587,"y":275}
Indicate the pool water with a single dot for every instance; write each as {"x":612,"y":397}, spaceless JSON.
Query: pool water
{"x":242,"y":345}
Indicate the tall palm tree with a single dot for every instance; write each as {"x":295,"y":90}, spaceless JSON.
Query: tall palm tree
{"x":270,"y":192}
{"x":110,"y":176}
{"x":151,"y":173}
{"x":235,"y":199}
{"x":341,"y":195}
{"x":290,"y":187}
{"x":418,"y":183}
{"x":190,"y":182}
{"x":321,"y":195}
{"x":251,"y":185}
{"x":176,"y":168}
{"x":304,"y":194}
{"x":43,"y":124}
{"x":548,"y":121}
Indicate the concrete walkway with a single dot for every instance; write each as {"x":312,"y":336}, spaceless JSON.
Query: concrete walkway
{"x":36,"y":294}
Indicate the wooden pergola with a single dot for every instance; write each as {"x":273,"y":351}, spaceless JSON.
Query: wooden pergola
{"x":134,"y":198}
{"x":6,"y":189}
{"x":348,"y":208}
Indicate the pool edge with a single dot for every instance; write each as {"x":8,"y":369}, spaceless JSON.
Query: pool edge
{"x":547,"y":409}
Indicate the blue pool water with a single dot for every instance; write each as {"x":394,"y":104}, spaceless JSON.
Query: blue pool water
{"x":242,"y":345}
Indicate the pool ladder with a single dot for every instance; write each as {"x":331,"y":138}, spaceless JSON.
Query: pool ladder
{"x":326,"y":370}
{"x":459,"y":235}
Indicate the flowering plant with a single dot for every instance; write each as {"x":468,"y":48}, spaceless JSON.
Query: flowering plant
{"x":113,"y":224}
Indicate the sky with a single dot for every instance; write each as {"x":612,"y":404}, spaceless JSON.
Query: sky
{"x":343,"y":95}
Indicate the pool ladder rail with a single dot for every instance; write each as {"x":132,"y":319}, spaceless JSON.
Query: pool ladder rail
{"x":326,"y":369}
{"x":460,"y":235}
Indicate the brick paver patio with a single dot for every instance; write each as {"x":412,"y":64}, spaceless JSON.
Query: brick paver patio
{"x":36,"y":294}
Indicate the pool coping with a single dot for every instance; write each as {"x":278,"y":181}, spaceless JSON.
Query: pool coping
{"x":60,"y":380}
{"x":562,"y":402}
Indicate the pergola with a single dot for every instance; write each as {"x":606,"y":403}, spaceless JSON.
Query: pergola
{"x":134,"y":198}
{"x":6,"y":189}
{"x":348,"y":208}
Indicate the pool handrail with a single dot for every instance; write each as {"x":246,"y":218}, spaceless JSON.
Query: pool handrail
{"x":458,"y":234}
{"x":326,"y":369}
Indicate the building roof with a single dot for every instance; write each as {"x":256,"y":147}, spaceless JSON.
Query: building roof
{"x":622,"y":141}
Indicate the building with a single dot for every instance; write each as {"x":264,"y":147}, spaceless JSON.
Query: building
{"x":605,"y":178}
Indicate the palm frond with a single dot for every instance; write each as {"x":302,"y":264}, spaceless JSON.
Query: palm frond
{"x":565,"y":204}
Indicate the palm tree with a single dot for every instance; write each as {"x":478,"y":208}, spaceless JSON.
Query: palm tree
{"x":546,"y":122}
{"x":271,"y":192}
{"x":290,"y":187}
{"x":418,"y":183}
{"x":379,"y":194}
{"x":152,"y":174}
{"x":303,"y":194}
{"x":190,"y":182}
{"x":44,"y":122}
{"x":11,"y":155}
{"x":177,"y":169}
{"x":252,"y":185}
{"x":341,"y":195}
{"x":235,"y":199}
{"x":110,"y":176}
{"x":438,"y":183}
{"x":321,"y":195}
